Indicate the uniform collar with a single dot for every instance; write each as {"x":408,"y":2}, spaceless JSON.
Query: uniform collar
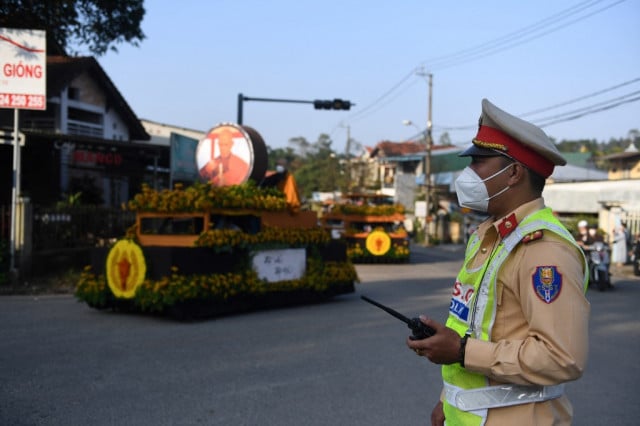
{"x":507,"y":224}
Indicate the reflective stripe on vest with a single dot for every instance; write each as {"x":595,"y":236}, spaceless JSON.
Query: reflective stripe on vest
{"x":476,"y":316}
{"x":476,"y":400}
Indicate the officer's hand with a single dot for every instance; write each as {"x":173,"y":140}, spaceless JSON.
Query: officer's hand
{"x":441,"y":348}
{"x":437,"y":415}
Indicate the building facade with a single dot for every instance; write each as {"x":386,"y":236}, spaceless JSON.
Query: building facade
{"x":87,"y":144}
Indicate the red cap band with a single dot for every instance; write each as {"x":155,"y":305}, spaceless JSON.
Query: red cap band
{"x":491,"y":138}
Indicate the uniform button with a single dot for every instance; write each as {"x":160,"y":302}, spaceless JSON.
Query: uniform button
{"x":484,"y":249}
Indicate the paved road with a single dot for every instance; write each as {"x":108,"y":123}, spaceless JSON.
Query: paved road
{"x":339,"y":363}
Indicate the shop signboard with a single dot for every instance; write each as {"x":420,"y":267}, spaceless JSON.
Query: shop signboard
{"x":23,"y":63}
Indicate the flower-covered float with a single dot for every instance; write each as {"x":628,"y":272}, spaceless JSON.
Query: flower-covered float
{"x":372,"y":227}
{"x":205,"y":250}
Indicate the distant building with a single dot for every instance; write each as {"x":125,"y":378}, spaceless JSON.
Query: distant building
{"x":624,"y":165}
{"x":160,"y":133}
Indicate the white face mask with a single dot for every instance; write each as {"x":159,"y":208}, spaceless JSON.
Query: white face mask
{"x":472,"y":192}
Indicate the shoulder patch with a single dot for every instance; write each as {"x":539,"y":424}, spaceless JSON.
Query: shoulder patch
{"x":547,"y":283}
{"x":536,"y":235}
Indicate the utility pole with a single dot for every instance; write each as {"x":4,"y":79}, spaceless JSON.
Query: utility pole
{"x":429,"y":146}
{"x":347,"y":150}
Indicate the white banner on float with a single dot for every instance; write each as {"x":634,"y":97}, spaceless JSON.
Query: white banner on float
{"x":280,"y":265}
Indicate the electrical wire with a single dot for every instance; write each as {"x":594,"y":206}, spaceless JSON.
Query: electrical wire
{"x":492,"y":47}
{"x":569,"y":115}
{"x":591,"y":109}
{"x":482,"y":52}
{"x":581,"y":98}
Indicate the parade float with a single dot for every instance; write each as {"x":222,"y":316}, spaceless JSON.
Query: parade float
{"x":372,"y":227}
{"x":216,"y":247}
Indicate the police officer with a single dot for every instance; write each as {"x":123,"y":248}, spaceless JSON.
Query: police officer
{"x":517,"y":328}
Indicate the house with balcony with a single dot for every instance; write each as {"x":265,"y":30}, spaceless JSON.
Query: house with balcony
{"x":400,"y":169}
{"x":395,"y":166}
{"x":88,"y":141}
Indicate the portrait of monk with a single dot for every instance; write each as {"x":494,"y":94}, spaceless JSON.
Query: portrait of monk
{"x":226,"y":168}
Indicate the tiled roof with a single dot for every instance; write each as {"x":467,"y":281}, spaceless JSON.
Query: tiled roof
{"x":399,"y":149}
{"x":394,"y":149}
{"x":63,"y":69}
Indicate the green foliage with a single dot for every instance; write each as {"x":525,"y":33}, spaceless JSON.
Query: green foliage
{"x":97,"y":25}
{"x":70,"y":200}
{"x":158,"y":295}
{"x":596,"y":148}
{"x":201,"y":197}
{"x":283,"y":156}
{"x":445,"y":139}
{"x":571,"y":223}
{"x":319,"y":168}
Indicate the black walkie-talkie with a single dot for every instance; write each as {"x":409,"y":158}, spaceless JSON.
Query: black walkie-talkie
{"x":419,"y":330}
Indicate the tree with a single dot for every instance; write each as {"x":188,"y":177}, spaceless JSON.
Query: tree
{"x":282,"y":156}
{"x":97,"y":24}
{"x":317,"y":166}
{"x":445,"y":139}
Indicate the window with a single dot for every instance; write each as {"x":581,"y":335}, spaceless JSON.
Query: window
{"x":84,"y":116}
{"x":73,"y":93}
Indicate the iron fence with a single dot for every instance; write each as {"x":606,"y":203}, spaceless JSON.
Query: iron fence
{"x":78,"y":226}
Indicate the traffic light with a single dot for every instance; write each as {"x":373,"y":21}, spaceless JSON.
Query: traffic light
{"x":340,"y":104}
{"x":318,"y":104}
{"x":334,"y":104}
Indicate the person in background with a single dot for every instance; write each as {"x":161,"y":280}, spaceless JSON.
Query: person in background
{"x":619,"y":246}
{"x":585,"y":236}
{"x":636,"y":256}
{"x":594,"y":236}
{"x":517,"y":329}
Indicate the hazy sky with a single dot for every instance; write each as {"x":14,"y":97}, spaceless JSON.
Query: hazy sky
{"x":524,"y":56}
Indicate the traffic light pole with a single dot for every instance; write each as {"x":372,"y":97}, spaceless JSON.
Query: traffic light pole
{"x":334,"y":104}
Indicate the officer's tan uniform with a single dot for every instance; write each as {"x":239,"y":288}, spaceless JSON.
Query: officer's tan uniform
{"x":538,"y":323}
{"x":538,"y":343}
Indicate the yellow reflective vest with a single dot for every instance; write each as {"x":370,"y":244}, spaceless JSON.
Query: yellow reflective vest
{"x":472,"y":311}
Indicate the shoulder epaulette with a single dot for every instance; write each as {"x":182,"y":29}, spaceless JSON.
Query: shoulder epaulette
{"x":536,"y":235}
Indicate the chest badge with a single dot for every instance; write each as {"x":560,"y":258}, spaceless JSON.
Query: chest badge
{"x":547,"y":283}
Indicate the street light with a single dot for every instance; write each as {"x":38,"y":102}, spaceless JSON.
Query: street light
{"x":426,"y":167}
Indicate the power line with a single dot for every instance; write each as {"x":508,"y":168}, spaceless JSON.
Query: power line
{"x":509,"y":44}
{"x":492,"y":47}
{"x":498,"y":45}
{"x":581,"y":98}
{"x":560,"y":115}
{"x":383,"y":96}
{"x":591,"y":109}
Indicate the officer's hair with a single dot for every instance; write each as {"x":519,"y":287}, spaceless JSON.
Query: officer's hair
{"x":536,"y":181}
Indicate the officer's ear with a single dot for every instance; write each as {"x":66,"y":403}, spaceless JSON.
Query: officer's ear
{"x":517,"y":173}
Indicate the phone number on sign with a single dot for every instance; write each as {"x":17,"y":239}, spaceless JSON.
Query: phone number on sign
{"x":12,"y":100}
